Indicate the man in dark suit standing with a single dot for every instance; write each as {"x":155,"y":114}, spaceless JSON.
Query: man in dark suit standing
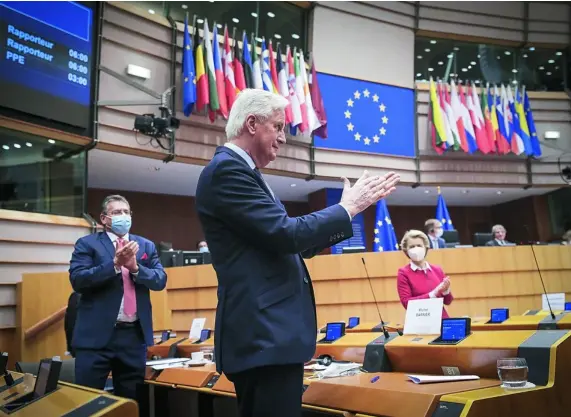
{"x":114,"y":271}
{"x":434,"y":232}
{"x":265,"y":319}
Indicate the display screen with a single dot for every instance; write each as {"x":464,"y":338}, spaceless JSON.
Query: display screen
{"x":334,"y":331}
{"x":568,"y":306}
{"x":46,"y":53}
{"x":165,"y":336}
{"x":42,"y":378}
{"x":353,"y":321}
{"x":454,"y":329}
{"x":204,"y":335}
{"x":499,"y":315}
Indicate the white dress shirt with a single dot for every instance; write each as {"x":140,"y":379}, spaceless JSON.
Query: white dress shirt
{"x":252,"y":165}
{"x":435,"y":244}
{"x":122,"y":316}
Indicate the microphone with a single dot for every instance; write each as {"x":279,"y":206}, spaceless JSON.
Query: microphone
{"x":385,"y":332}
{"x":542,"y":283}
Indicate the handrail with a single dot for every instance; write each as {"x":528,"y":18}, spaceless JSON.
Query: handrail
{"x":42,"y":325}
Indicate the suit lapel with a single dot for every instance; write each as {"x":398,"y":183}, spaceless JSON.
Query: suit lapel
{"x":106,"y":242}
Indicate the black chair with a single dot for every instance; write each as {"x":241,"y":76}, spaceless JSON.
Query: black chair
{"x":451,"y":238}
{"x":480,"y":239}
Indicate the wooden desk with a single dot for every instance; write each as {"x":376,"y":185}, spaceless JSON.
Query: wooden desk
{"x":68,"y":398}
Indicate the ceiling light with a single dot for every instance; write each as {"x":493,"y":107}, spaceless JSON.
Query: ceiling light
{"x":17,"y":146}
{"x":478,"y":55}
{"x":532,"y":49}
{"x":258,"y":39}
{"x":557,"y":67}
{"x":235,"y":20}
{"x":419,"y":56}
{"x":507,"y":53}
{"x":558,"y":53}
{"x":427,"y":50}
{"x":254,"y":14}
{"x":551,"y":61}
{"x":5,"y":147}
{"x":295,"y":36}
{"x":211,"y":1}
{"x":28,"y":144}
{"x":456,"y":48}
{"x":514,"y":82}
{"x":499,"y":57}
{"x":514,"y":71}
{"x":477,"y":81}
{"x":219,"y":26}
{"x":418,"y":74}
{"x":151,"y":11}
{"x":184,"y":6}
{"x":548,"y":73}
{"x":541,"y":68}
{"x":293,"y":185}
{"x":469,"y":66}
{"x":430,"y":69}
{"x":525,"y":55}
{"x":277,"y":36}
{"x":201,"y":21}
{"x":51,"y":141}
{"x":464,"y":69}
{"x":433,"y":41}
{"x":270,"y":14}
{"x":473,"y":63}
{"x":440,"y":63}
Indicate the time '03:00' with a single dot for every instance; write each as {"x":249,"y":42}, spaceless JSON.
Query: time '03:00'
{"x":75,"y":79}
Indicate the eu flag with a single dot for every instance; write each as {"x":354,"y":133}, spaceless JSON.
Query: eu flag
{"x":188,"y":76}
{"x":385,"y":238}
{"x":443,"y":215}
{"x":367,"y":117}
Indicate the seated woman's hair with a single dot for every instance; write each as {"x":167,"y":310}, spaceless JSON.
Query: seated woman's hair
{"x":413,"y":234}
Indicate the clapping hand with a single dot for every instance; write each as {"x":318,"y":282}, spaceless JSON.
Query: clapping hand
{"x":444,"y":286}
{"x":127,"y":256}
{"x":367,"y":191}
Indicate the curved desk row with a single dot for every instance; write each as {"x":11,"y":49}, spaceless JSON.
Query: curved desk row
{"x":548,"y":354}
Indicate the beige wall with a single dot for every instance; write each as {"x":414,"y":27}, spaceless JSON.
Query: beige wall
{"x":372,"y":41}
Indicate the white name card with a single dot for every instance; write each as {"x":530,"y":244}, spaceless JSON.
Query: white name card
{"x":196,"y":328}
{"x":423,"y":316}
{"x":557,"y":301}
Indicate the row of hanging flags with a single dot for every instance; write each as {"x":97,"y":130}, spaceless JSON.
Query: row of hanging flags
{"x":213,"y":76}
{"x":493,"y":122}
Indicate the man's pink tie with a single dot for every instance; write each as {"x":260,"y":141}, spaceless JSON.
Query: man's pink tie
{"x":129,"y":295}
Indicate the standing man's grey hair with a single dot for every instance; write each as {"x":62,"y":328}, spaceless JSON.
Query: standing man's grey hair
{"x":110,"y":199}
{"x":262,"y":104}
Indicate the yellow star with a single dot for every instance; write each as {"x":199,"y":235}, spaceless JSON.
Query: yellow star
{"x":185,"y":79}
{"x":188,"y":47}
{"x":194,"y":80}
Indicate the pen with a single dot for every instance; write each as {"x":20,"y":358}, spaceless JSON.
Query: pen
{"x":374,"y":379}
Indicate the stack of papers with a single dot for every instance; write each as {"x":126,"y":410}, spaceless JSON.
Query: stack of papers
{"x":431,"y":379}
{"x":175,"y":363}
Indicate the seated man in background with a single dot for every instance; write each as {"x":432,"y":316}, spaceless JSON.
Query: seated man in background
{"x":202,"y":246}
{"x":499,"y":233}
{"x":114,"y":271}
{"x":419,"y":280}
{"x":434,"y":231}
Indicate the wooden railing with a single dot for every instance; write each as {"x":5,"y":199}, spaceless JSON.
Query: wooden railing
{"x":42,"y":325}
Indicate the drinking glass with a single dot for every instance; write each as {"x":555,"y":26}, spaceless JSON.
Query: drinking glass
{"x":513,"y":372}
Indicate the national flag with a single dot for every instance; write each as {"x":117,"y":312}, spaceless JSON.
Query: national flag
{"x":385,"y":239}
{"x":502,"y":138}
{"x":468,"y":126}
{"x":488,"y":119}
{"x":273,"y":69}
{"x":479,"y":125}
{"x":238,"y":67}
{"x":202,"y":89}
{"x":449,"y":114}
{"x":299,"y":91}
{"x":458,"y":109}
{"x":247,"y":62}
{"x":449,"y":136}
{"x":517,"y":142}
{"x":442,"y":214}
{"x":294,"y":100}
{"x":535,"y":145}
{"x":283,"y":85}
{"x":506,"y":117}
{"x":367,"y":117}
{"x":437,"y":120}
{"x":219,"y":75}
{"x":432,"y":132}
{"x":188,"y":77}
{"x":523,"y":128}
{"x":317,"y":103}
{"x":214,"y":105}
{"x":228,"y":63}
{"x":256,"y":66}
{"x":266,"y":72}
{"x":312,"y":120}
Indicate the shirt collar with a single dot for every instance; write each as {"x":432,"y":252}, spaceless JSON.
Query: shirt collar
{"x":414,"y":267}
{"x":114,"y":237}
{"x":242,"y":154}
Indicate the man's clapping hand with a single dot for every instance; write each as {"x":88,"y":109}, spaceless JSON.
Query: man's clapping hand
{"x":127,"y":256}
{"x":367,"y":191}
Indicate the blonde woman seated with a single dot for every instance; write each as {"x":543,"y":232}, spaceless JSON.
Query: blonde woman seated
{"x":419,"y":280}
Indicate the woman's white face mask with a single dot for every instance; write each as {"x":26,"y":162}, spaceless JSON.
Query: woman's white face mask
{"x":417,"y":254}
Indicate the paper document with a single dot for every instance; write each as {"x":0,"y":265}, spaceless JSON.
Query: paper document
{"x":430,"y":379}
{"x":167,"y":361}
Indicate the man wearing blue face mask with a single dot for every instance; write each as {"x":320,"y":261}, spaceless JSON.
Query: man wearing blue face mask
{"x":202,"y":246}
{"x":113,"y":271}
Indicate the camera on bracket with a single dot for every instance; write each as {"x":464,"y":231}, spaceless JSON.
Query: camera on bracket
{"x":156,"y":127}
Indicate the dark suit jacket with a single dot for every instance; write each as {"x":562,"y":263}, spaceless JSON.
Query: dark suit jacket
{"x":266,"y":308}
{"x":441,"y":243}
{"x":92,"y":274}
{"x":69,"y":320}
{"x":494,"y":242}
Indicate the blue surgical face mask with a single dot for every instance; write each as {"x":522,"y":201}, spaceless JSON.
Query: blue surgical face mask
{"x":203,"y":249}
{"x":120,"y":225}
